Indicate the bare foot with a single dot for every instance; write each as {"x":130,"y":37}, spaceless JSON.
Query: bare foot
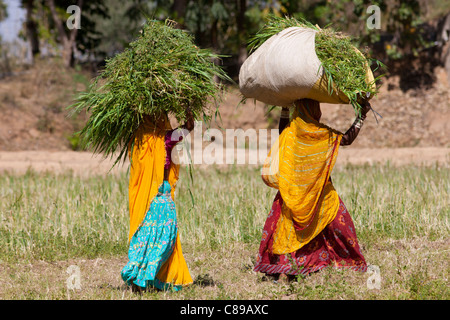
{"x":137,"y":289}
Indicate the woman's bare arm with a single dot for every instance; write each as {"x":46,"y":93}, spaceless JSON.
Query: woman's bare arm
{"x":284,"y":119}
{"x":352,"y":132}
{"x":188,"y":125}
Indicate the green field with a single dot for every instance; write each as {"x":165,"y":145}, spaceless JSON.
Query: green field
{"x":50,"y":222}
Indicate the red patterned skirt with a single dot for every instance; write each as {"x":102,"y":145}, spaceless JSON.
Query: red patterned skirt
{"x":336,"y":245}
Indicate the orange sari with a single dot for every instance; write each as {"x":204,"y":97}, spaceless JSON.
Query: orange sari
{"x":147,"y":157}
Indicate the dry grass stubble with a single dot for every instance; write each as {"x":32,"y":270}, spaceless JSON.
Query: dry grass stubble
{"x":416,"y":269}
{"x":400,"y":215}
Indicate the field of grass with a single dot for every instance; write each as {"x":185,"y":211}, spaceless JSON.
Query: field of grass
{"x":51,"y":222}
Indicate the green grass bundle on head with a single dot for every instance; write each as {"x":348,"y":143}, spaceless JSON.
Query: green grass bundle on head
{"x":162,"y":72}
{"x":345,"y":67}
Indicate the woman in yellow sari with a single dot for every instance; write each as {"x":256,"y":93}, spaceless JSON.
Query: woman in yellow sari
{"x":155,"y":255}
{"x":308,"y":227}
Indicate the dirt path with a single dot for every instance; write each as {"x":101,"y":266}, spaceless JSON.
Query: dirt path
{"x":87,"y":163}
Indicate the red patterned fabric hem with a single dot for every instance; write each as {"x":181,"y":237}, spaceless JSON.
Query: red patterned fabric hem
{"x":336,"y":245}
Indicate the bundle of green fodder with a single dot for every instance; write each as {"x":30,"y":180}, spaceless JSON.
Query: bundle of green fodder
{"x":292,"y":59}
{"x":162,"y":72}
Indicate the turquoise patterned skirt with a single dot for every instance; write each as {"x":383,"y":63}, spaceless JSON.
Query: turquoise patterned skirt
{"x":153,"y":243}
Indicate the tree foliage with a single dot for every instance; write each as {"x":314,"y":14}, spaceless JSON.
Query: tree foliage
{"x":226,"y":25}
{"x":3,"y":12}
{"x":46,"y":26}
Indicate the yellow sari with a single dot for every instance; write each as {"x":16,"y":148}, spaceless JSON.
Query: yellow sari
{"x":147,"y":157}
{"x":299,"y":166}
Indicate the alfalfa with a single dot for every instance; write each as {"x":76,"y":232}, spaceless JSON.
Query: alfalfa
{"x":162,"y":71}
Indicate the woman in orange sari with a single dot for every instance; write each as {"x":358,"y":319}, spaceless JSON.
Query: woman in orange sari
{"x":155,"y":255}
{"x":308,"y":227}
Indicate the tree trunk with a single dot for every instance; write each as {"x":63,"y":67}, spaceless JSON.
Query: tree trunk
{"x":67,"y":53}
{"x":179,"y":8}
{"x":214,"y":35}
{"x":31,"y":29}
{"x":67,"y":39}
{"x":242,"y":55}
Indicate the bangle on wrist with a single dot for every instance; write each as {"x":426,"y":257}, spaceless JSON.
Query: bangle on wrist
{"x":358,"y":122}
{"x":284,"y":113}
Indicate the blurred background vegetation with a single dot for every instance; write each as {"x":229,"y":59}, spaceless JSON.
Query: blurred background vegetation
{"x":410,"y":30}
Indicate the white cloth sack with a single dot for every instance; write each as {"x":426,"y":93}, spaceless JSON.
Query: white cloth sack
{"x":286,"y":68}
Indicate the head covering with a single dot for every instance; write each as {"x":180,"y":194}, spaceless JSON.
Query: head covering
{"x":299,"y":165}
